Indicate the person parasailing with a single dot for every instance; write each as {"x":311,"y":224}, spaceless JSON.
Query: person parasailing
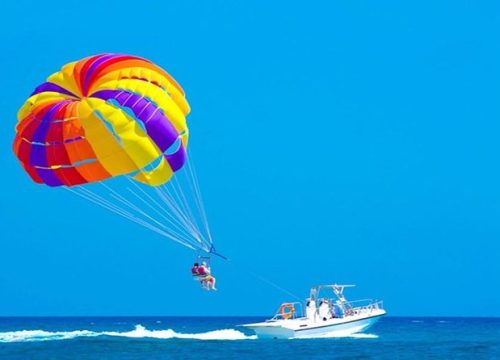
{"x":208,"y":280}
{"x":203,"y":273}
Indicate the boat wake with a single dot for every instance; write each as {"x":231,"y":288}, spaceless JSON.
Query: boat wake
{"x":139,"y":332}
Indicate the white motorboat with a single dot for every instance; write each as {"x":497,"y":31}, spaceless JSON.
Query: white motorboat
{"x":324,"y":317}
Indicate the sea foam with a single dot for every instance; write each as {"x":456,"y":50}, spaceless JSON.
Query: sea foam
{"x":139,"y":332}
{"x":42,"y":335}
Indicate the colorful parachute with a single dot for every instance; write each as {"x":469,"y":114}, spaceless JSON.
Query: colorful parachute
{"x":100,"y":117}
{"x":112,"y":117}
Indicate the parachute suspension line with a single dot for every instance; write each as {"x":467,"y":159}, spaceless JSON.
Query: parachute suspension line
{"x":173,"y":224}
{"x":96,"y":199}
{"x":164,"y":209}
{"x":172,"y":205}
{"x":179,"y":196}
{"x":131,"y":205}
{"x":134,"y":218}
{"x":186,"y":205}
{"x":175,"y":202}
{"x":196,"y":200}
{"x":194,"y":185}
{"x":185,"y":236}
{"x":242,"y":266}
{"x":159,"y":207}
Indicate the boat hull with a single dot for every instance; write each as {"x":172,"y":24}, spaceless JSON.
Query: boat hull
{"x":339,"y":330}
{"x":297,"y":329}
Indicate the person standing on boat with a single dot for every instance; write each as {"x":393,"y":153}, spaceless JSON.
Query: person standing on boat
{"x":324,"y":310}
{"x":311,"y":309}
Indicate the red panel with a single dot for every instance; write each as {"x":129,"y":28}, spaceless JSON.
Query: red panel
{"x":31,"y":122}
{"x":32,"y":172}
{"x":29,"y":129}
{"x":57,"y":155}
{"x":55,"y":133}
{"x":23,"y":151}
{"x":23,"y":123}
{"x":70,"y":176}
{"x":103,"y":67}
{"x":83,"y":68}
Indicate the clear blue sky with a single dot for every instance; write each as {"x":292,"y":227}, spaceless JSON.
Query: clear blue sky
{"x":352,"y":141}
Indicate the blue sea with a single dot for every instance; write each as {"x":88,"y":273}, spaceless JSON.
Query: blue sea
{"x":206,"y":338}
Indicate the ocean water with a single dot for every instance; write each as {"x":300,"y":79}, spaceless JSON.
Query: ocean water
{"x":208,"y":338}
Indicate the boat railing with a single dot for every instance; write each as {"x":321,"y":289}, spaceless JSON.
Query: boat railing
{"x":364,"y":306}
{"x":356,"y":307}
{"x":289,"y":310}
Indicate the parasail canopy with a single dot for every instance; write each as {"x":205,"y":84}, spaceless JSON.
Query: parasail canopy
{"x":112,"y":129}
{"x":103,"y":116}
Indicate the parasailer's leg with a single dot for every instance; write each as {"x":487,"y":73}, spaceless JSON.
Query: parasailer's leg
{"x":204,"y":283}
{"x":211,"y":282}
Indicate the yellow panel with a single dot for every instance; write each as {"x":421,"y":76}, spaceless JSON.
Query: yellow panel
{"x":134,"y":140}
{"x":158,"y":176}
{"x":65,"y":78}
{"x":184,"y":139}
{"x":108,"y":151}
{"x":40,"y":99}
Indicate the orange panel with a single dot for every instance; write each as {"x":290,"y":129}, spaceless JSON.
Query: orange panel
{"x":93,"y":172}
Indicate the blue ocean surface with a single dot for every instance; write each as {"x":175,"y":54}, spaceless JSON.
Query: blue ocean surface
{"x":208,"y":338}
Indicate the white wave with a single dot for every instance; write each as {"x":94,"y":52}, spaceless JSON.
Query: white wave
{"x":139,"y":332}
{"x":41,"y":335}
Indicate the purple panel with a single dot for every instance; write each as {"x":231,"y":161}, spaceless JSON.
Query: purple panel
{"x":38,"y":154}
{"x":49,"y":177}
{"x":148,"y":111}
{"x":157,"y":125}
{"x":161,"y":131}
{"x":51,"y":87}
{"x":41,"y":132}
{"x":177,"y":159}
